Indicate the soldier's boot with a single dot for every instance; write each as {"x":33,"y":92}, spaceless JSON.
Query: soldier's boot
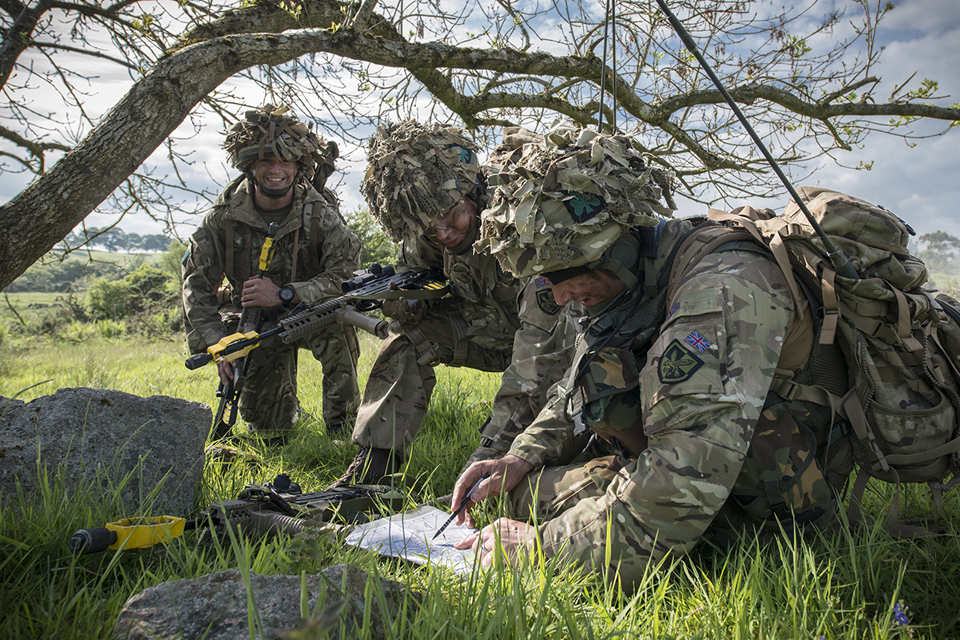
{"x":370,"y":466}
{"x":341,"y":428}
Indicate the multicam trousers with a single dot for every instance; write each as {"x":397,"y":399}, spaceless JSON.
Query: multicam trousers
{"x":269,"y":398}
{"x":402,"y":379}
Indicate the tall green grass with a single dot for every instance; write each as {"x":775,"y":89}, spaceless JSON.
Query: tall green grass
{"x":827,"y":585}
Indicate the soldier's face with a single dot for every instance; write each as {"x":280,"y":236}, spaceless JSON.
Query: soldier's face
{"x":589,"y":289}
{"x":273,"y":173}
{"x":452,"y":227}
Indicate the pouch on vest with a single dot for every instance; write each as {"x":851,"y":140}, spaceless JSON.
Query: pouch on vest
{"x":607,"y":397}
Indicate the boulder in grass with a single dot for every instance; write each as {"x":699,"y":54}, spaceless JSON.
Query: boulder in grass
{"x":218,"y":606}
{"x":98,"y":440}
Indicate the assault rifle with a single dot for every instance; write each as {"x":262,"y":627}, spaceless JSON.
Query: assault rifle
{"x":264,"y":510}
{"x":229,"y":392}
{"x":364,"y":292}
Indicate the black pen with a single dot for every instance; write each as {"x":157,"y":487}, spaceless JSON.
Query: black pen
{"x":463,"y":505}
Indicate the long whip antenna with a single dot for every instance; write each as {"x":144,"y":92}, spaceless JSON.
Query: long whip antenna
{"x":839,"y":261}
{"x":609,"y":25}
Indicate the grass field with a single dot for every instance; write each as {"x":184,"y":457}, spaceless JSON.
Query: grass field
{"x":831,"y":585}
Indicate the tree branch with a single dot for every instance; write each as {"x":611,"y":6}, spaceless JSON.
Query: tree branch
{"x":18,"y":37}
{"x":85,"y":52}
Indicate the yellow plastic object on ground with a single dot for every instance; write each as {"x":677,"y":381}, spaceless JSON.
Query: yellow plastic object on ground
{"x":140,"y":533}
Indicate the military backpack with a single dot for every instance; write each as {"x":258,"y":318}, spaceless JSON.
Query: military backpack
{"x":900,"y":343}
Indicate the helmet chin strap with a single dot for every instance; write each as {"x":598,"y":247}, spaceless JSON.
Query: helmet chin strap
{"x":468,"y":240}
{"x":621,"y":260}
{"x":270,"y":192}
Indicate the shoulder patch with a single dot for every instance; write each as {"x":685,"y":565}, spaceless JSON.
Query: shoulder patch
{"x":546,"y":301}
{"x":582,"y":207}
{"x":677,"y":364}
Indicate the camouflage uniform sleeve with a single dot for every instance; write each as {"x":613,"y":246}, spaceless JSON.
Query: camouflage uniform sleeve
{"x":549,"y":440}
{"x":339,"y":256}
{"x":203,"y":269}
{"x":542,"y":353}
{"x":418,"y":254}
{"x":702,"y":390}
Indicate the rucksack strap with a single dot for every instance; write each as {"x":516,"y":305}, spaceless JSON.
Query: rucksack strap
{"x":893,"y":524}
{"x":228,"y":248}
{"x":775,"y":245}
{"x":314,"y":240}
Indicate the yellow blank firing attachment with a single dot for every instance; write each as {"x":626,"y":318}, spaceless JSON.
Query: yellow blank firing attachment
{"x":217,"y":350}
{"x":140,"y":533}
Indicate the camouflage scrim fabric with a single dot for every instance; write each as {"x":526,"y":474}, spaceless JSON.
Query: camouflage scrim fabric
{"x":570,"y":195}
{"x":270,"y":132}
{"x":417,"y":173}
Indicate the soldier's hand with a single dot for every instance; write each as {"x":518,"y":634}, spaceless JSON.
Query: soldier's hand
{"x":226,"y":371}
{"x":513,"y":536}
{"x":505,"y":474}
{"x":260,"y":292}
{"x":403,"y":310}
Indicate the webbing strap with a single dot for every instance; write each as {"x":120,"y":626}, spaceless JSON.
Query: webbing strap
{"x":935,"y":335}
{"x":902,"y":459}
{"x":903,"y":323}
{"x":788,"y":389}
{"x":314,"y":240}
{"x":894,"y":526}
{"x":460,"y":344}
{"x":775,"y":244}
{"x":853,"y":408}
{"x":296,"y":256}
{"x":831,"y":309}
{"x":228,"y":259}
{"x":426,"y":354}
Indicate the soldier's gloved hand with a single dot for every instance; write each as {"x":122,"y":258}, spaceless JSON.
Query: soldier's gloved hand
{"x":403,"y":310}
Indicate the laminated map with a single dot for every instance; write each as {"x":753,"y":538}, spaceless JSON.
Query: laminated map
{"x":409,"y":536}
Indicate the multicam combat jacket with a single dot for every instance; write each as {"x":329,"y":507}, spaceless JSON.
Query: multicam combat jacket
{"x":687,"y":408}
{"x":313,"y":236}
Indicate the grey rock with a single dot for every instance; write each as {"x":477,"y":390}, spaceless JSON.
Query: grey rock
{"x":214,"y":606}
{"x":95,"y":438}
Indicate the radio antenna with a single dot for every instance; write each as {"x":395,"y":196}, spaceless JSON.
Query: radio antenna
{"x":609,"y":27}
{"x":839,"y":261}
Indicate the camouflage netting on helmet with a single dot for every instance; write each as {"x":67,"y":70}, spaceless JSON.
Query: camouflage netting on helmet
{"x":567,"y":198}
{"x":268,"y":132}
{"x":417,"y":173}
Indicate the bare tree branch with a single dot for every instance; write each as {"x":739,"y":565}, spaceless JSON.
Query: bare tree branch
{"x":356,"y":66}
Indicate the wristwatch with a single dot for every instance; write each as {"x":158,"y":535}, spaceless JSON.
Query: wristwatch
{"x":287,"y":294}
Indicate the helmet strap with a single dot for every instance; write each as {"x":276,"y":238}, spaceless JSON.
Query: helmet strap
{"x":468,"y":240}
{"x":270,"y":192}
{"x":621,"y":259}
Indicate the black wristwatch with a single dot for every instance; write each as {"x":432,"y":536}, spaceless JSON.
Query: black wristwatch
{"x":287,"y":294}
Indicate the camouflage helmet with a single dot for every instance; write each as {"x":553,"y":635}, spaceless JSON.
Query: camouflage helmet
{"x":567,"y":198}
{"x":417,"y":173}
{"x":269,"y":132}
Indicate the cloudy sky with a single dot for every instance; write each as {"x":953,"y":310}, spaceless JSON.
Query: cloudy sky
{"x":922,"y":184}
